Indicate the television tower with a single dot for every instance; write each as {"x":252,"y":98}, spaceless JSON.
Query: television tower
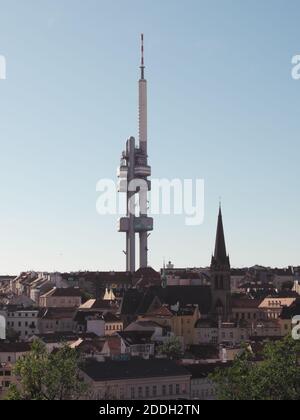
{"x":133,"y":176}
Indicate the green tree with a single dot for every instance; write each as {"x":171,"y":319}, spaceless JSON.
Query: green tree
{"x":47,"y":376}
{"x":276,"y":377}
{"x":171,"y":348}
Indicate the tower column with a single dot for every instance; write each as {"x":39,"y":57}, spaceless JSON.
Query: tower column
{"x":130,"y":208}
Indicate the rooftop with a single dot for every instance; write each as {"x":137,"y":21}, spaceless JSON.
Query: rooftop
{"x":14,"y":347}
{"x":57,"y":313}
{"x":203,"y":370}
{"x":132,"y":338}
{"x":133,"y":369}
{"x":67,"y":292}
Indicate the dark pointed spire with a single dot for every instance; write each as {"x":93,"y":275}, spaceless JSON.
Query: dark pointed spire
{"x":220,"y":256}
{"x":142,"y":58}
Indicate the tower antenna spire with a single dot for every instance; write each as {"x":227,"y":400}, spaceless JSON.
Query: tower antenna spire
{"x":142,"y":58}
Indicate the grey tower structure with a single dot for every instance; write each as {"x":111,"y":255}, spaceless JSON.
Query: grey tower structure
{"x":133,"y":176}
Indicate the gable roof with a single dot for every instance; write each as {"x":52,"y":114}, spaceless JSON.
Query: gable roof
{"x":139,"y":303}
{"x":57,"y":313}
{"x":133,"y":369}
{"x":163,"y":312}
{"x":132,"y":338}
{"x":67,"y":292}
{"x":245,"y":303}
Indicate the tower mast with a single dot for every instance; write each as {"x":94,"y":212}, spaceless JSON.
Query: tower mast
{"x":143,"y":109}
{"x":133,"y":173}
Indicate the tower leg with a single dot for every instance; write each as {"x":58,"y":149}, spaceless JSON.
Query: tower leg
{"x":144,"y":250}
{"x":131,"y":252}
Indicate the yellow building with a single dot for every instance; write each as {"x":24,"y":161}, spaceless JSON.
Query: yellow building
{"x":180,"y":321}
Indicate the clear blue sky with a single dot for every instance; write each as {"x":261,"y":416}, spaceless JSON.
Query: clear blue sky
{"x":222,"y":106}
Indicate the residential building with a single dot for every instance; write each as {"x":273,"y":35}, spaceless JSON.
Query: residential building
{"x":137,"y":380}
{"x":272,"y":306}
{"x":202,"y":387}
{"x":113,"y":324}
{"x":12,"y":352}
{"x":245,"y":309}
{"x":22,"y":321}
{"x":287,"y":315}
{"x":267,"y":328}
{"x":137,"y":343}
{"x":229,"y":333}
{"x":61,"y":298}
{"x":7,"y":378}
{"x":53,"y":320}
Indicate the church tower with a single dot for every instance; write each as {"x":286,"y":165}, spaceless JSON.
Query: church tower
{"x":220,"y":275}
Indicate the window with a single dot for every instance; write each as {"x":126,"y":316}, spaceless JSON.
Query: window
{"x":132,"y":393}
{"x":177,"y":389}
{"x":154,"y":391}
{"x":140,"y":392}
{"x":147,"y":392}
{"x":170,"y":389}
{"x":164,"y":390}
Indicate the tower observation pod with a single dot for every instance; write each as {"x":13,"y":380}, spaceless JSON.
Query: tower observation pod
{"x":133,"y":175}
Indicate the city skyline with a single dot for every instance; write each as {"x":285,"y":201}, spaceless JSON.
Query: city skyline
{"x":226,"y":105}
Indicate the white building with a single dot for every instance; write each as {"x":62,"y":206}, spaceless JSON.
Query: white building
{"x":202,"y":388}
{"x":232,"y":334}
{"x":23,"y":321}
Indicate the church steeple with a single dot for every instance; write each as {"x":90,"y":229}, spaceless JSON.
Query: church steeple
{"x":220,"y":275}
{"x":220,"y":256}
